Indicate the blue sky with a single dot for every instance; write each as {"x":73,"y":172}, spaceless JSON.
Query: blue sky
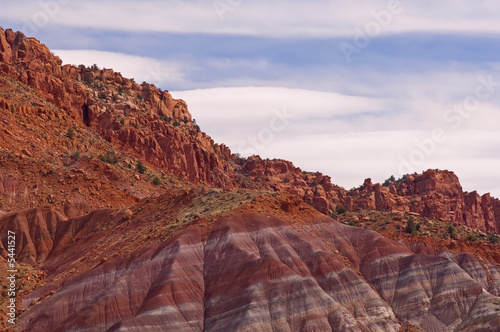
{"x":420,"y":88}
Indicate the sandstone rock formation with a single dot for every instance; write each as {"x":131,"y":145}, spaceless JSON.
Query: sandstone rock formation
{"x":141,"y":119}
{"x":436,"y":194}
{"x":148,"y":124}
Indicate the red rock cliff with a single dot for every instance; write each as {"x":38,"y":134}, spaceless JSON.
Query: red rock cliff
{"x":150,"y":124}
{"x":434,"y":194}
{"x":141,"y":119}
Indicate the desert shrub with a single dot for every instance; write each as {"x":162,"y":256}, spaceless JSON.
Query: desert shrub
{"x":341,"y":210}
{"x":493,"y":238}
{"x":165,"y":118}
{"x":451,"y":231}
{"x":411,"y":228}
{"x":472,"y":237}
{"x":108,"y":158}
{"x":388,"y":181}
{"x":140,"y":167}
{"x":70,"y":133}
{"x":156,"y":181}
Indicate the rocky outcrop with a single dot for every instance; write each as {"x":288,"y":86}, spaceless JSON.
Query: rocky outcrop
{"x":281,"y":175}
{"x":161,"y":264}
{"x":434,"y":194}
{"x":32,"y":63}
{"x":482,"y":212}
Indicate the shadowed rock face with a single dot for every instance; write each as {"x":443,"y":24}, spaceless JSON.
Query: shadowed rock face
{"x":247,"y":271}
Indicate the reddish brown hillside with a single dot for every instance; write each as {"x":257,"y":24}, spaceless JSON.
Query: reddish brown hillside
{"x":214,"y":260}
{"x":71,"y":137}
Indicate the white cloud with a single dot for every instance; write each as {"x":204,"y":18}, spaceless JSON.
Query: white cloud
{"x":244,"y":102}
{"x":140,"y":68}
{"x":280,"y":18}
{"x":349,"y":158}
{"x":251,"y":119}
{"x":349,"y":137}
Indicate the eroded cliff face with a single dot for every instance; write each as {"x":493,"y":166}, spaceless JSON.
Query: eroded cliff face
{"x":436,"y":194}
{"x":140,"y":119}
{"x":259,"y":263}
{"x":32,"y":63}
{"x":141,"y":122}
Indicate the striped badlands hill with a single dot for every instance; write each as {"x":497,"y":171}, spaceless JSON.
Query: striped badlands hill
{"x":214,"y":260}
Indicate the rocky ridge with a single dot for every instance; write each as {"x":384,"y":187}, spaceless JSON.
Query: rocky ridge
{"x":434,"y":193}
{"x":141,"y":118}
{"x":145,"y":123}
